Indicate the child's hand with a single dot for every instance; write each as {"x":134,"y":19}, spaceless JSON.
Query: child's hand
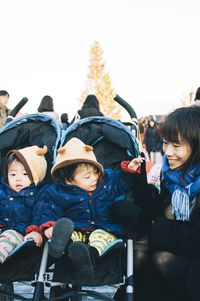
{"x":136,"y":163}
{"x":48,"y":232}
{"x":36,"y":236}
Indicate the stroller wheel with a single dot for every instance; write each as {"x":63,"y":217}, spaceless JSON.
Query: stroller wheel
{"x":8,"y":288}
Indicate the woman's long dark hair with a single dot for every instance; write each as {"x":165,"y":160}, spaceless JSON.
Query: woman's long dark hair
{"x":184,"y":123}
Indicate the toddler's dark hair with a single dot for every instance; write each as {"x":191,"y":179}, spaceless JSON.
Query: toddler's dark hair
{"x":68,"y":172}
{"x":10,"y":159}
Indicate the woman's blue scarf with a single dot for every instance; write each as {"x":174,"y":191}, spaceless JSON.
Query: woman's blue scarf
{"x":183,"y":188}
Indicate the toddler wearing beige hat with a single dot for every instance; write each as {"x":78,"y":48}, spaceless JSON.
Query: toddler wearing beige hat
{"x":75,"y":211}
{"x":25,"y":171}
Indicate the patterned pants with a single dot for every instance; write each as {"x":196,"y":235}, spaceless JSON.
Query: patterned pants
{"x":8,"y":241}
{"x":99,"y":239}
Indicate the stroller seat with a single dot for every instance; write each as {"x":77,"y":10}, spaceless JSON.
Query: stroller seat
{"x":109,"y":270}
{"x":112,"y":142}
{"x":32,"y":129}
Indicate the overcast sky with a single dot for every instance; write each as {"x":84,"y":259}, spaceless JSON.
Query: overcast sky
{"x":151,"y":50}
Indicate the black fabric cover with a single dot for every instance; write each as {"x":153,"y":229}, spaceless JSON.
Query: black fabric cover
{"x":109,"y":270}
{"x":110,"y":143}
{"x":23,"y":266}
{"x":28,"y":134}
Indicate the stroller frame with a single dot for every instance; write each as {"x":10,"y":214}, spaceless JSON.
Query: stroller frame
{"x":42,"y":278}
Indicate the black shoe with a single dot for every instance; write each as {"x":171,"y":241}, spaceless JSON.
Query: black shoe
{"x":80,"y":256}
{"x":62,"y":232}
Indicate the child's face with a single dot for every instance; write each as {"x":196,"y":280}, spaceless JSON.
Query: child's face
{"x":177,"y":153}
{"x":17,"y":176}
{"x":86,"y":177}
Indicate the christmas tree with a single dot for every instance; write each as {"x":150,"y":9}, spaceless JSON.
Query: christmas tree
{"x":99,"y":83}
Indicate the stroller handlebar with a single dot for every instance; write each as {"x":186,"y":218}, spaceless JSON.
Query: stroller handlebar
{"x":126,"y":106}
{"x":16,"y":109}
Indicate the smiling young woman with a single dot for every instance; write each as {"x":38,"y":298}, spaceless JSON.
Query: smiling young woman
{"x":169,"y":269}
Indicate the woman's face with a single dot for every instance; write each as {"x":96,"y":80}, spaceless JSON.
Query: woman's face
{"x":176,"y":153}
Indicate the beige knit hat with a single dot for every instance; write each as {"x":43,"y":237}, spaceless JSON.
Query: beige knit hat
{"x":35,"y":164}
{"x":75,"y":151}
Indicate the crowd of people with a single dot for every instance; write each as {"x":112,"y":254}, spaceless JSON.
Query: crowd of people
{"x":90,"y":107}
{"x":151,"y":138}
{"x":80,"y":213}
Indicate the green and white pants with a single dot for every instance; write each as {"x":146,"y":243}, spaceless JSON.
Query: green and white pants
{"x":99,"y":239}
{"x":8,"y":241}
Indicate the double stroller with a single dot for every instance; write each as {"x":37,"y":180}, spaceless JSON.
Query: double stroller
{"x":112,"y":142}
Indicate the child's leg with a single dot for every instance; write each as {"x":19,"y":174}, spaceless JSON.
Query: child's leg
{"x":62,"y":232}
{"x":79,"y":254}
{"x":85,"y":256}
{"x":8,"y":241}
{"x":103,"y":241}
{"x":77,"y":236}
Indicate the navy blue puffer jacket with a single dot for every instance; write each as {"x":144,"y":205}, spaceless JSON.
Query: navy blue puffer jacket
{"x":86,"y":211}
{"x":16,"y":207}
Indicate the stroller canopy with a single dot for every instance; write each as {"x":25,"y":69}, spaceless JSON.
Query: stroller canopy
{"x":28,"y":130}
{"x":112,"y":141}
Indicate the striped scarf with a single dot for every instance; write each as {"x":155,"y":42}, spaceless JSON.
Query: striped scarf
{"x":183,"y":187}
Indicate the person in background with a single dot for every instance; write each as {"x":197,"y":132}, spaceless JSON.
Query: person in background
{"x":47,"y":107}
{"x":25,"y":170}
{"x":89,"y":108}
{"x":4,"y":111}
{"x":152,"y":142}
{"x":141,"y":128}
{"x":197,"y":97}
{"x":64,"y":120}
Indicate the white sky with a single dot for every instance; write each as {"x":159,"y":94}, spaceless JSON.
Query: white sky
{"x":151,"y":50}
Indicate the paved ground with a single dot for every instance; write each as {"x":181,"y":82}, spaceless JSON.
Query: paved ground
{"x":26,"y":291}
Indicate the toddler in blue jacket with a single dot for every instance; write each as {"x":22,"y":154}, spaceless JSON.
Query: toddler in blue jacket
{"x":25,"y":169}
{"x":76,"y":207}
